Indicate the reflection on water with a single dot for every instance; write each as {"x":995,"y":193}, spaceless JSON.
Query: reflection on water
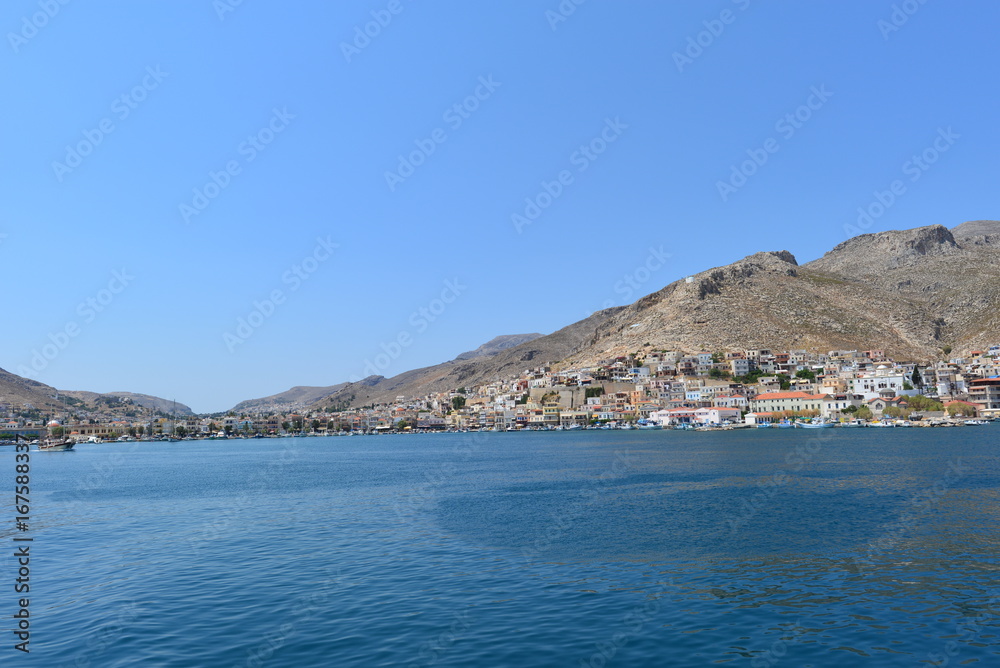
{"x":765,"y":548}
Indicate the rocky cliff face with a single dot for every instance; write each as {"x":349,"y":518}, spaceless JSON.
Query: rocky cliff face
{"x":872,"y":253}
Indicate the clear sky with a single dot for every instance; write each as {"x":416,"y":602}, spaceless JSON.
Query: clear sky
{"x":463,"y":170}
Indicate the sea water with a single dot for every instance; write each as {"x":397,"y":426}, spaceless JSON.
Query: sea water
{"x":833,"y":547}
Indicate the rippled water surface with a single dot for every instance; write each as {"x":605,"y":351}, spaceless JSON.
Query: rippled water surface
{"x":760,"y":548}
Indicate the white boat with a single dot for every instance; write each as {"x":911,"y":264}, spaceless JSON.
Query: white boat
{"x":813,"y":425}
{"x":56,"y":446}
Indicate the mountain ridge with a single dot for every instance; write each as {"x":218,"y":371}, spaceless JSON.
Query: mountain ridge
{"x":908,"y":292}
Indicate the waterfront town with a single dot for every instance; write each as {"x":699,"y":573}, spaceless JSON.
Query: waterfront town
{"x":653,"y":388}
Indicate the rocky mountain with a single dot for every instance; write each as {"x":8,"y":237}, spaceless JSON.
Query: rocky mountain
{"x":498,"y":345}
{"x":910,"y":293}
{"x":296,"y":398}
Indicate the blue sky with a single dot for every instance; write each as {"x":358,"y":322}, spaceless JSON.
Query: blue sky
{"x":212,"y":202}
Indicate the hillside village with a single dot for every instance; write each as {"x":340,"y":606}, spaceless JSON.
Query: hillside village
{"x":650,"y":386}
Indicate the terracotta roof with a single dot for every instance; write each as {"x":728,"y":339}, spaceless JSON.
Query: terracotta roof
{"x":789,"y":395}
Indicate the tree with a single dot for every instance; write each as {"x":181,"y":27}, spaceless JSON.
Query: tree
{"x":864,"y":413}
{"x":58,"y":432}
{"x":921,"y":403}
{"x":785,"y":381}
{"x":458,"y":403}
{"x":461,"y":390}
{"x":593,"y":392}
{"x":907,"y":386}
{"x":228,"y":429}
{"x":806,"y":373}
{"x":849,"y":410}
{"x":315,"y":425}
{"x":915,"y":378}
{"x":965,"y":410}
{"x":285,"y":426}
{"x":946,"y":350}
{"x":181,"y":431}
{"x":212,"y":427}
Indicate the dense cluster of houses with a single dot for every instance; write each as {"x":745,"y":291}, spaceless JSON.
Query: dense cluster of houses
{"x":665,"y":387}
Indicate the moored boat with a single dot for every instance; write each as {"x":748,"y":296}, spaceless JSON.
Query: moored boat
{"x":56,"y":446}
{"x":813,"y":425}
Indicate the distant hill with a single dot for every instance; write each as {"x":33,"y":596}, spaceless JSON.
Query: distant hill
{"x":910,"y":293}
{"x":498,"y":345}
{"x":17,"y":391}
{"x":294,"y":399}
{"x":471,"y":371}
{"x":124,"y":399}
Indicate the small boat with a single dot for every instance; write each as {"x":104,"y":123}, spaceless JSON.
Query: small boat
{"x":56,"y":446}
{"x":784,"y":425}
{"x":852,"y":423}
{"x":763,"y":425}
{"x":813,"y":425}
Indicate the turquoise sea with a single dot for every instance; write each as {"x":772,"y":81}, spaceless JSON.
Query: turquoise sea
{"x":835,"y":547}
